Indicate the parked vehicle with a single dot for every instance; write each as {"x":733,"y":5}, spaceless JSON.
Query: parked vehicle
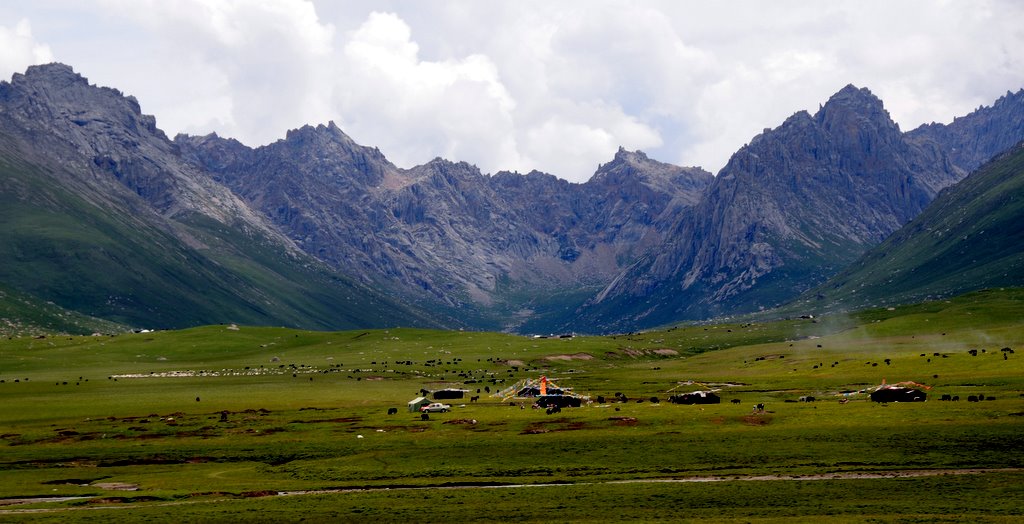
{"x":435,"y":406}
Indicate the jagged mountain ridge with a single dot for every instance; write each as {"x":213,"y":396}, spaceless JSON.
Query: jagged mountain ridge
{"x":793,"y":207}
{"x":445,"y":232}
{"x":641,"y":243}
{"x":973,"y":139}
{"x":102,"y":216}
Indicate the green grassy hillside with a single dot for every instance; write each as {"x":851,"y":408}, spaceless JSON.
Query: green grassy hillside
{"x":213,"y":423}
{"x":24,"y":315}
{"x":971,"y":237}
{"x":112,"y":258}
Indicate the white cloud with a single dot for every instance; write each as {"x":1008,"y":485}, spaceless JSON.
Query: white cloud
{"x":18,"y":49}
{"x":527,"y":84}
{"x":415,"y":109}
{"x":251,"y":69}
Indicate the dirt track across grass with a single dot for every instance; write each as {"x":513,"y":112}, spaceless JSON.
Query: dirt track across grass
{"x":697,"y":479}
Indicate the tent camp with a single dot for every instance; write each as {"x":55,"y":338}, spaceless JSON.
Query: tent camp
{"x":898,"y":394}
{"x":416,"y":403}
{"x":546,"y":393}
{"x":696,"y":397}
{"x":449,"y":393}
{"x":561,"y":401}
{"x":530,"y":388}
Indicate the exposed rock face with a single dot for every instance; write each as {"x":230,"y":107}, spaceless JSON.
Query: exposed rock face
{"x":114,"y":223}
{"x":54,"y":113}
{"x":969,"y":238}
{"x":314,"y":185}
{"x":972,"y":140}
{"x":793,"y":207}
{"x":445,"y":232}
{"x":640,"y":244}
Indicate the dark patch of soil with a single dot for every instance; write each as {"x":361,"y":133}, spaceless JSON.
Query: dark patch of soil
{"x":72,"y":482}
{"x":122,"y":500}
{"x":624,"y":421}
{"x":261,"y":493}
{"x":343,"y":420}
{"x":540,"y":426}
{"x":756,"y":420}
{"x":469,"y":421}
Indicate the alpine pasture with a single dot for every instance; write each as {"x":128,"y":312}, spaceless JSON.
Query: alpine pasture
{"x":267,"y":424}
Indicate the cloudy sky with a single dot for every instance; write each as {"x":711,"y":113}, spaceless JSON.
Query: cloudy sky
{"x":521,"y":85}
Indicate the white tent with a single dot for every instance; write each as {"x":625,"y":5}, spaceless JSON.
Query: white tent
{"x":418,"y":402}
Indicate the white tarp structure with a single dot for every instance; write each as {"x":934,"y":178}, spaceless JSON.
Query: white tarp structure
{"x":416,"y":403}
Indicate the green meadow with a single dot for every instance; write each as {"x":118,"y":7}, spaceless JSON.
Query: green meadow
{"x":230,"y":423}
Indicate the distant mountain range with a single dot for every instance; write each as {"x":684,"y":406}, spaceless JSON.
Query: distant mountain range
{"x":105,"y":216}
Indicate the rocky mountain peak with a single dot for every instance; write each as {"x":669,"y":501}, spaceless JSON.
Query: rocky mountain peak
{"x":446,"y":167}
{"x":319,"y":135}
{"x":54,"y":95}
{"x":855,"y":107}
{"x":633,"y":157}
{"x":327,"y":151}
{"x":53,"y":75}
{"x":973,"y":139}
{"x":1009,"y":99}
{"x":853,"y":96}
{"x":633,"y":167}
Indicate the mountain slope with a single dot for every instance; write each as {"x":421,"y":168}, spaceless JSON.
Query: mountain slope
{"x":971,"y":237}
{"x":973,"y":139}
{"x":22,"y":315}
{"x":507,"y":251}
{"x":102,"y":216}
{"x":791,"y":209}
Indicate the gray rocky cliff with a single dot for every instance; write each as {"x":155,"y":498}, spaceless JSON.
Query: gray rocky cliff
{"x":444,"y":232}
{"x":640,"y":244}
{"x":973,"y":139}
{"x":135,"y":232}
{"x":54,"y":114}
{"x":789,"y":210}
